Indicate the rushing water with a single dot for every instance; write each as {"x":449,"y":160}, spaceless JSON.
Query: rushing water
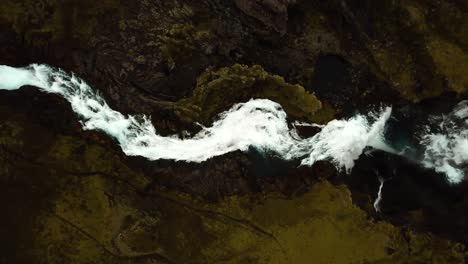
{"x":446,"y":148}
{"x":259,"y":124}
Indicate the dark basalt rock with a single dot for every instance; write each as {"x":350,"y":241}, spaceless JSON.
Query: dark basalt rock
{"x":233,"y":174}
{"x":411,"y":195}
{"x":272,"y":13}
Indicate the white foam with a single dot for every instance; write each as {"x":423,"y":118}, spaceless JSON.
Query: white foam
{"x":378,"y":200}
{"x":258,"y":123}
{"x":446,"y":150}
{"x":343,"y":141}
{"x":13,"y":78}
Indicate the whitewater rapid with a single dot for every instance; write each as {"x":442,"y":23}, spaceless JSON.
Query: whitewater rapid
{"x":258,"y":123}
{"x":446,"y":143}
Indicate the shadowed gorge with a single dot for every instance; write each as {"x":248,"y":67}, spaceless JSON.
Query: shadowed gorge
{"x":233,"y":131}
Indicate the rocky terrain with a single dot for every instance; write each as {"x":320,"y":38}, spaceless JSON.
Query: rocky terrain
{"x":72,"y":196}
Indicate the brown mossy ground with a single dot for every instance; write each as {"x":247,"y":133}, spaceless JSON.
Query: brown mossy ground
{"x":412,"y":45}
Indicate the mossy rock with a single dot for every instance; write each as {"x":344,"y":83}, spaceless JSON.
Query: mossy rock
{"x":52,"y":21}
{"x":417,"y":46}
{"x":218,"y":90}
{"x":182,"y":40}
